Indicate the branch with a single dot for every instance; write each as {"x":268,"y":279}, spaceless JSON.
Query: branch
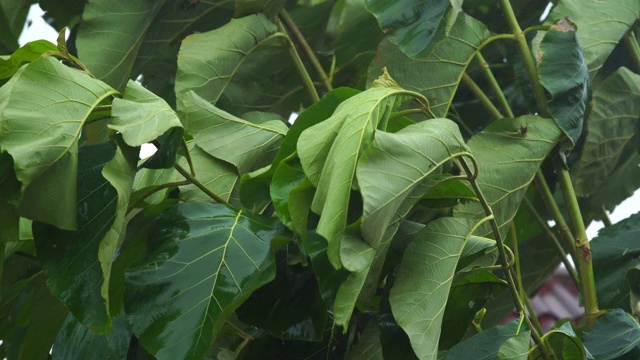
{"x":484,"y":99}
{"x":304,"y":74}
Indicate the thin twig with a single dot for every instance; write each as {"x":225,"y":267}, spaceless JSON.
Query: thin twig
{"x":304,"y":74}
{"x":482,"y":97}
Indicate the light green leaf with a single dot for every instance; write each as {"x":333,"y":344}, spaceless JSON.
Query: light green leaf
{"x":75,"y":341}
{"x":111,"y":34}
{"x":31,"y":51}
{"x":507,"y":162}
{"x":436,"y":75}
{"x":44,"y":144}
{"x":215,"y":174}
{"x":330,"y":150}
{"x":611,"y":124}
{"x":245,"y":144}
{"x":487,"y":344}
{"x":208,"y":62}
{"x":563,"y":73}
{"x":612,"y":336}
{"x":615,"y":250}
{"x":601,"y":25}
{"x":419,"y":294}
{"x":70,"y":258}
{"x":415,"y":25}
{"x":207,"y":259}
{"x":141,"y":116}
{"x":516,"y":348}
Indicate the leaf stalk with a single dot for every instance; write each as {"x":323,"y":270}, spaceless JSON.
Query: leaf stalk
{"x":304,"y":74}
{"x":482,"y":97}
{"x":200,"y":185}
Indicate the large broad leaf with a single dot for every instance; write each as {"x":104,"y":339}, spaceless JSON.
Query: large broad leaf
{"x":564,"y":343}
{"x":29,"y":52}
{"x":44,"y":144}
{"x":75,"y":341}
{"x":330,"y":150}
{"x":206,"y":259}
{"x":415,"y":25}
{"x":563,"y":73}
{"x":508,"y":154}
{"x":70,"y":259}
{"x":369,"y":344}
{"x":419,"y":294}
{"x":215,"y":174}
{"x":437,"y":75}
{"x":615,"y":251}
{"x":611,"y":124}
{"x":516,"y":348}
{"x":12,"y":18}
{"x":601,"y":25}
{"x":488,"y":344}
{"x":141,"y":116}
{"x":246,"y":144}
{"x":615,"y":335}
{"x":209,"y":63}
{"x":622,"y":183}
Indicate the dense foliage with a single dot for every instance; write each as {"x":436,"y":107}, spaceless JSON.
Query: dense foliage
{"x":403,"y":214}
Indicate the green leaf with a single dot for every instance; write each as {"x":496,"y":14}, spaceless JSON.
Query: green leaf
{"x":419,"y":294}
{"x":611,"y":124}
{"x":75,"y":341}
{"x":205,"y":261}
{"x":268,"y":7}
{"x":507,"y":162}
{"x":290,"y":307}
{"x":60,"y":13}
{"x":141,"y":116}
{"x":31,"y":51}
{"x":13,"y":15}
{"x":329,"y":279}
{"x":601,"y":25}
{"x":110,"y":36}
{"x":286,"y":179}
{"x":247,"y":145}
{"x":565,"y":344}
{"x":563,"y":73}
{"x":487,"y":344}
{"x":369,"y":345}
{"x":622,"y":183}
{"x":615,"y":250}
{"x":516,"y":348}
{"x":44,"y":144}
{"x":612,"y":336}
{"x":216,"y":175}
{"x":9,"y":187}
{"x":436,"y":75}
{"x":70,"y":258}
{"x":330,"y":150}
{"x":415,"y":25}
{"x":208,"y":62}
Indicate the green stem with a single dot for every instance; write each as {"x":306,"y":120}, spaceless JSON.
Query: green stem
{"x":605,"y":217}
{"x":304,"y":74}
{"x":307,"y":49}
{"x":200,"y":185}
{"x":155,"y":190}
{"x":552,"y":207}
{"x":536,"y":28}
{"x":188,"y":156}
{"x":402,"y":113}
{"x":508,"y":273}
{"x":583,"y":260}
{"x":527,"y":59}
{"x":484,"y":100}
{"x":632,"y":43}
{"x":556,"y":242}
{"x":497,"y":91}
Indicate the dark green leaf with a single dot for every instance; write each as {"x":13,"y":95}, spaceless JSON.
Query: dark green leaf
{"x":165,"y":156}
{"x":565,"y":344}
{"x":563,"y":72}
{"x":615,"y":250}
{"x":369,"y":345}
{"x":285,"y":180}
{"x":437,"y":75}
{"x":415,"y":25}
{"x":205,"y":260}
{"x":269,"y":7}
{"x":622,"y":183}
{"x":13,"y":14}
{"x":29,"y":52}
{"x":9,"y":188}
{"x":516,"y":348}
{"x":487,"y":344}
{"x":75,"y":341}
{"x":615,"y":335}
{"x":60,"y":13}
{"x":611,"y":124}
{"x":329,"y":279}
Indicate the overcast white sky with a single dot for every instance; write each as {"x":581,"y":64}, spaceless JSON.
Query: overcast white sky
{"x":39,"y":29}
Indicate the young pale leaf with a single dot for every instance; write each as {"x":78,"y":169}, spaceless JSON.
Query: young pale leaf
{"x":615,"y":250}
{"x":415,"y":25}
{"x":612,"y":336}
{"x":419,"y":294}
{"x":487,"y":344}
{"x":436,"y":75}
{"x":70,"y":258}
{"x":142,"y":116}
{"x":330,"y":150}
{"x":611,"y":124}
{"x":563,"y":73}
{"x":508,"y":158}
{"x":208,"y":62}
{"x":601,"y":25}
{"x":29,"y":52}
{"x":206,"y":260}
{"x":44,"y":144}
{"x":247,"y":145}
{"x":75,"y":339}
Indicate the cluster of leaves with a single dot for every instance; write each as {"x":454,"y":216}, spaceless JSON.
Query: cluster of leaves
{"x":370,"y":228}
